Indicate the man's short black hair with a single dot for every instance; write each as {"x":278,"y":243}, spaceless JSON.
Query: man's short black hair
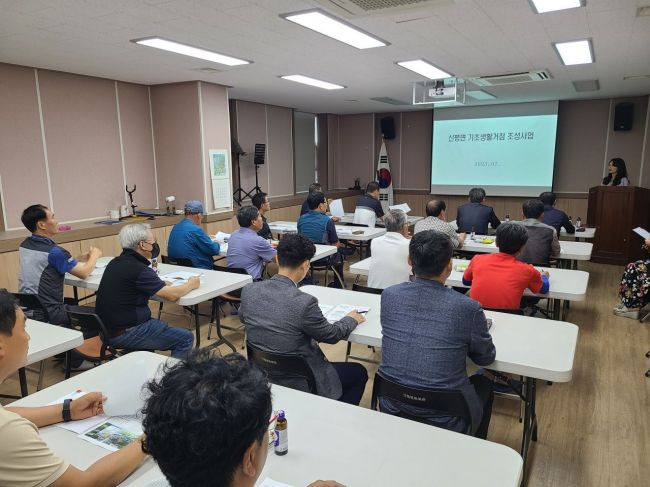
{"x":258,"y":200}
{"x":315,"y":188}
{"x":202,"y":416}
{"x":315,"y":199}
{"x":294,"y":249}
{"x":8,"y":306}
{"x":32,"y":215}
{"x":435,"y":207}
{"x":533,"y":208}
{"x":430,"y":252}
{"x":476,"y":195}
{"x":511,"y":237}
{"x":246,"y":215}
{"x":372,"y":187}
{"x":547,"y":198}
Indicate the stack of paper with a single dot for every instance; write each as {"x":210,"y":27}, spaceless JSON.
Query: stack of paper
{"x":404,"y":207}
{"x":336,"y":313}
{"x":221,"y":237}
{"x":179,"y":277}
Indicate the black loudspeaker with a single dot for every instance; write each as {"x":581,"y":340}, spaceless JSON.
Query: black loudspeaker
{"x":623,"y":116}
{"x":388,"y":127}
{"x":260,"y":149}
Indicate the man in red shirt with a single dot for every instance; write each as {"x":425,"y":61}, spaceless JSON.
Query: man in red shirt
{"x":499,"y":280}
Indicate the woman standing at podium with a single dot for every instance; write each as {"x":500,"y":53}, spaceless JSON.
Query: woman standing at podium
{"x":617,"y":173}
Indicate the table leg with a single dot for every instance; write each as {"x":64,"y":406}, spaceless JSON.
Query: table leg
{"x":221,"y":338}
{"x":22,"y":377}
{"x":197,"y":326}
{"x":530,"y":422}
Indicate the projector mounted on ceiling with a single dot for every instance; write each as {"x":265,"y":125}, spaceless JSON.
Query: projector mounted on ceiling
{"x":365,"y":8}
{"x":511,"y":78}
{"x":448,"y":91}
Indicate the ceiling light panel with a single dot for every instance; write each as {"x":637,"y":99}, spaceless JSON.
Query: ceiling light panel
{"x":424,"y":68}
{"x":306,"y":80}
{"x":575,"y":52}
{"x":186,"y":50}
{"x":330,"y":26}
{"x":543,"y":6}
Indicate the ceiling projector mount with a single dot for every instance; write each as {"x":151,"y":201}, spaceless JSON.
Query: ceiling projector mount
{"x":447,"y":90}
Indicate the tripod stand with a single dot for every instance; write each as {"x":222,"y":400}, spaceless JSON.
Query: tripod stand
{"x":239,"y":194}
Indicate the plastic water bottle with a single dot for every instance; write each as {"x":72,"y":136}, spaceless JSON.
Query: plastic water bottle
{"x":154,"y":264}
{"x":578,"y":222}
{"x":507,"y":217}
{"x":472,"y":235}
{"x":281,"y":445}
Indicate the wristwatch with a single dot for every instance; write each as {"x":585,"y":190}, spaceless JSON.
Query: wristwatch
{"x":66,"y":410}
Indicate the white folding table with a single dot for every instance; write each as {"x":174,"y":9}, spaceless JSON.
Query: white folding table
{"x":531,"y":347}
{"x":327,"y":439}
{"x":213,"y":284}
{"x":360,"y":233}
{"x":565,"y":284}
{"x":322,"y":251}
{"x":348,"y":218}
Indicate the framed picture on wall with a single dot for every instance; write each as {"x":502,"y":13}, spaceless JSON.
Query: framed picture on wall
{"x":220,"y":176}
{"x":219,"y":164}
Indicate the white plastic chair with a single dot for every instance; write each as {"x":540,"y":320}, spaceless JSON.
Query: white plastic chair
{"x":364,"y":216}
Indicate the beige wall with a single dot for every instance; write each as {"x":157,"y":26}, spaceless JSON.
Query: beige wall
{"x":585,"y":142}
{"x":256,"y":123}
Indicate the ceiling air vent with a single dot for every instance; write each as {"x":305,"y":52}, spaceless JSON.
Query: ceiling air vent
{"x":357,"y":8}
{"x":391,"y":101}
{"x":511,"y":78}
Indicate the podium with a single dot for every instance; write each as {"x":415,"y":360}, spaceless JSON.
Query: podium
{"x":615,"y":211}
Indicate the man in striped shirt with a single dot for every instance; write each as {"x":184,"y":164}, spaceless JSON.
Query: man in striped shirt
{"x":437,"y":220}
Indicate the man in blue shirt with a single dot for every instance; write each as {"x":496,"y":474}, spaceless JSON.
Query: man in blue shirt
{"x":321,"y":230}
{"x":187,"y":239}
{"x":246,"y":249}
{"x":263,"y":205}
{"x":429,"y":330}
{"x":554,"y":217}
{"x":43,"y":264}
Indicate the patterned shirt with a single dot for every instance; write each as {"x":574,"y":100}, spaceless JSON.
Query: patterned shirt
{"x":435,"y":223}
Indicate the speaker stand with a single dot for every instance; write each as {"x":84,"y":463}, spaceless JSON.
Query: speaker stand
{"x":256,"y":189}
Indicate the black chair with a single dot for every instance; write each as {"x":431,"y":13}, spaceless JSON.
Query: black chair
{"x":283,"y":369}
{"x":440,"y":401}
{"x":366,"y":289}
{"x":95,"y":349}
{"x":233,"y":298}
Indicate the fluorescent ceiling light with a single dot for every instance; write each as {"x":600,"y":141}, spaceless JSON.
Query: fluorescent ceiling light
{"x":334,"y":28}
{"x":426,"y":69}
{"x":480,"y":95}
{"x":543,"y":6}
{"x":306,"y":80}
{"x":575,"y":52}
{"x":197,"y":52}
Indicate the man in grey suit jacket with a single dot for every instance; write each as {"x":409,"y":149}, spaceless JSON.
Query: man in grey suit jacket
{"x":280,"y":318}
{"x":430,"y":330}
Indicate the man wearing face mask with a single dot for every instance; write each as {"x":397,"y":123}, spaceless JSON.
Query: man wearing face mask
{"x":124,"y":292}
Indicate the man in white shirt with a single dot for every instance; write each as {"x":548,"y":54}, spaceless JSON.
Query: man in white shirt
{"x":389,"y":264}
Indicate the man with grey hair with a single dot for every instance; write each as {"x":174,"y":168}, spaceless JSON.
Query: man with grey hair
{"x":437,"y":220}
{"x":389,"y":262}
{"x":246,"y":249}
{"x":124,"y":292}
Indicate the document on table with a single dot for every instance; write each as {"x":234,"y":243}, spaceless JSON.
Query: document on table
{"x":269,"y":482}
{"x":114,"y":433}
{"x":83,"y":424}
{"x":338,"y":312}
{"x":642,"y":232}
{"x":221,"y":237}
{"x":340,"y":230}
{"x":336,"y":208}
{"x":178,"y":278}
{"x":404,"y":207}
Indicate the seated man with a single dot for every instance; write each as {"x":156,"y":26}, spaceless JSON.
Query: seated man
{"x":554,"y":217}
{"x":188,"y":240}
{"x":25,"y":459}
{"x":430,"y":330}
{"x":437,"y":220}
{"x":280,"y":318}
{"x":543,"y":244}
{"x":261,"y":202}
{"x":43,"y":264}
{"x":475,"y":215}
{"x":321,"y":230}
{"x":225,"y":441}
{"x":370,"y":200}
{"x":313,"y":188}
{"x":389,"y":262}
{"x":246,"y":249}
{"x":124,"y":292}
{"x":498,"y":281}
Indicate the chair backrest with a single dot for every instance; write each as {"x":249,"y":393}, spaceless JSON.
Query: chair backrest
{"x":32,"y":306}
{"x":177,"y":261}
{"x":90,"y":323}
{"x":366,"y":289}
{"x":440,"y":401}
{"x":516,"y":311}
{"x":232,"y":270}
{"x":279,"y":366}
{"x":364,"y":216}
